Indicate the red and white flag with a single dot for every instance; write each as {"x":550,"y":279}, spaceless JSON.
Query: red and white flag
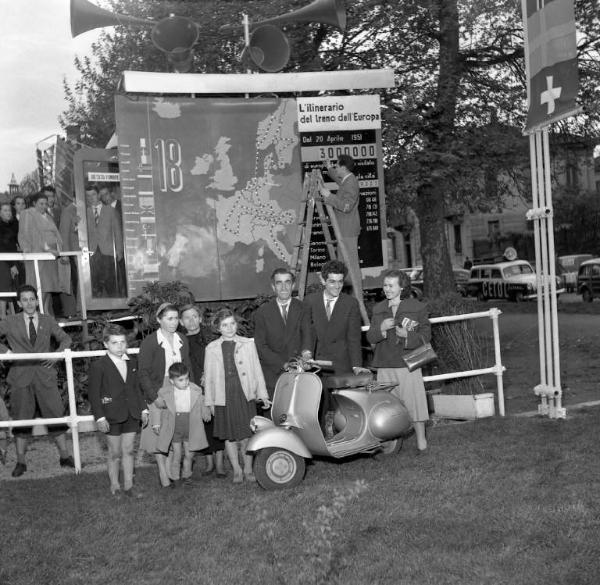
{"x":551,"y":61}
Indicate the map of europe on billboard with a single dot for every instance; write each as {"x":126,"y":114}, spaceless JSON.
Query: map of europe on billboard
{"x":211,"y":191}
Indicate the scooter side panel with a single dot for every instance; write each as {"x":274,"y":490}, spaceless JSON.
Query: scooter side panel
{"x":281,"y":438}
{"x":297,"y":397}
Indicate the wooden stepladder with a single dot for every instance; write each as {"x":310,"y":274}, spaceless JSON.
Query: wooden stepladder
{"x":311,"y":201}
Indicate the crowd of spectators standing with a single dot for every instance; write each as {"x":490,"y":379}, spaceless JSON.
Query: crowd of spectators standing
{"x":195,"y":386}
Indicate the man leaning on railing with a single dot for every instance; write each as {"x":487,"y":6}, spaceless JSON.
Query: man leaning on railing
{"x":33,"y":384}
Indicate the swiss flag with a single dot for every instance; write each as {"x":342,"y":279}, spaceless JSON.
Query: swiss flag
{"x":551,"y":61}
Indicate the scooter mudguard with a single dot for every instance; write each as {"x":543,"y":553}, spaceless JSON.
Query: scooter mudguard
{"x":280,"y":438}
{"x":260,"y":423}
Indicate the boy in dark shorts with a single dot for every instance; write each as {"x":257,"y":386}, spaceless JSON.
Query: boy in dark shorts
{"x":118,"y":406}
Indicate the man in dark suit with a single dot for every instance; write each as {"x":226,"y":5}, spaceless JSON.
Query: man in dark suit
{"x":33,"y":384}
{"x":278,"y":328}
{"x":332,"y":319}
{"x":105,"y":241}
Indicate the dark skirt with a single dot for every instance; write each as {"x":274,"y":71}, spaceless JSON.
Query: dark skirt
{"x":232,"y":421}
{"x":214,"y":443}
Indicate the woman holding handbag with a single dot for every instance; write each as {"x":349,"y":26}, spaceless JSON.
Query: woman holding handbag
{"x":399,"y":325}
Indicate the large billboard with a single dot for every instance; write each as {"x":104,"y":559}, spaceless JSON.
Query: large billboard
{"x":212,"y":190}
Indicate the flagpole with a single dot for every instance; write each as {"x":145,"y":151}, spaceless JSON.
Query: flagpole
{"x":552,"y":86}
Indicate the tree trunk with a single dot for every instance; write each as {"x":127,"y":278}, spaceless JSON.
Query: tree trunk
{"x":438,"y":278}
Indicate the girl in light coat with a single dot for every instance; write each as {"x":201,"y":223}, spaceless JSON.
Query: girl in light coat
{"x":233,"y":382}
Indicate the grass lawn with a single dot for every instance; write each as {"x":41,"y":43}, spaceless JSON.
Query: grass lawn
{"x":511,"y":501}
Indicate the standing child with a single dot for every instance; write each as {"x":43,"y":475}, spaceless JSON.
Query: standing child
{"x":118,"y":406}
{"x":234,"y":381}
{"x":178,"y":420}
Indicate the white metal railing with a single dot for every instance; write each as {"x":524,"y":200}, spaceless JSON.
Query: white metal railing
{"x":36,"y":258}
{"x":497,"y":368}
{"x":73,"y":419}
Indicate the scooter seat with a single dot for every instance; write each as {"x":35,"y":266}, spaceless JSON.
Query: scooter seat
{"x":347,"y":381}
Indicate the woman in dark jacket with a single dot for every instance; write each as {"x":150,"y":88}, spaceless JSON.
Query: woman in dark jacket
{"x":400,"y":324}
{"x":158,"y":352}
{"x":9,"y":234}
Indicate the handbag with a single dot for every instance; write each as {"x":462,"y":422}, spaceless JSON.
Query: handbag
{"x":420,"y":356}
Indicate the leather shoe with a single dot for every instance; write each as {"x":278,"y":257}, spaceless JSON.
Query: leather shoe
{"x":19,"y":470}
{"x":133,"y":493}
{"x":67,"y":462}
{"x":221,"y":474}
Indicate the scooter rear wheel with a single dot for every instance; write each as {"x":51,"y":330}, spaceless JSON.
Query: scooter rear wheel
{"x":277,"y":469}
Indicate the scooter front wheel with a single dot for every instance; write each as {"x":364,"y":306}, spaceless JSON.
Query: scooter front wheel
{"x":277,"y":469}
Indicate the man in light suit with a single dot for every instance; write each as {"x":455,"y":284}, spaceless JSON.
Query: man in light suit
{"x":278,"y":328}
{"x":105,"y":242}
{"x":33,"y":384}
{"x":345,"y":206}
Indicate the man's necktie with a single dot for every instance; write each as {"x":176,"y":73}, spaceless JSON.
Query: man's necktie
{"x":96,"y":215}
{"x":32,"y":331}
{"x":328,"y":303}
{"x":284,"y":312}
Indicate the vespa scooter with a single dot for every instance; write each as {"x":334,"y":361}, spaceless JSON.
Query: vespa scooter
{"x":367,"y":419}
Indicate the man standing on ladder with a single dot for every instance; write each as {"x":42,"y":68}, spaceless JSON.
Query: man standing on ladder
{"x":345,"y":206}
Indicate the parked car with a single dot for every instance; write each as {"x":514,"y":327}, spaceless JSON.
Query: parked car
{"x":461,"y":276}
{"x":588,"y":279}
{"x":568,"y":268}
{"x":514,"y":281}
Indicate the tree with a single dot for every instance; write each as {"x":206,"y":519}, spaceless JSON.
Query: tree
{"x":29,"y":184}
{"x":452,"y":123}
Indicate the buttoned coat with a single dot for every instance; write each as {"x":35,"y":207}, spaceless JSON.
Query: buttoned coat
{"x":112,"y":397}
{"x":247,"y":365}
{"x":389,"y":349}
{"x":165,"y":413}
{"x":151,"y":360}
{"x":336,"y":339}
{"x":276,"y":341}
{"x":23,"y":373}
{"x":38,"y":233}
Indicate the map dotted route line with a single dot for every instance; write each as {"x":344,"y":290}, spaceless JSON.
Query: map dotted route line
{"x":250,"y":202}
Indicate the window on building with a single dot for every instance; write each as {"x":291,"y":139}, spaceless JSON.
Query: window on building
{"x":458,"y":238}
{"x":494,"y":229}
{"x":572,"y":175}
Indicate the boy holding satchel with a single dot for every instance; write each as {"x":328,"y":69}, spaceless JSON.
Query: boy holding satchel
{"x":399,"y":325}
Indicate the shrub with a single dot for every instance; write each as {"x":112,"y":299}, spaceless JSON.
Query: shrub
{"x":460,"y":346}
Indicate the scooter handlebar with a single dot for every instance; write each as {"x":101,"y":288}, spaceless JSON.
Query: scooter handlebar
{"x":320,"y":363}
